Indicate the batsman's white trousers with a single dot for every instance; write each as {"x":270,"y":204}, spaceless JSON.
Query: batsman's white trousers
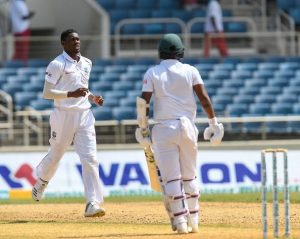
{"x":77,"y":127}
{"x":175,"y":148}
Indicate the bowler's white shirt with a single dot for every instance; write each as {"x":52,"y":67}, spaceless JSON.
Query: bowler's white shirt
{"x":213,"y":10}
{"x":68,"y":75}
{"x":171,"y":83}
{"x":18,"y":9}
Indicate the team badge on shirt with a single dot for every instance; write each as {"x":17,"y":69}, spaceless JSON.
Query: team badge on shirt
{"x":48,"y":74}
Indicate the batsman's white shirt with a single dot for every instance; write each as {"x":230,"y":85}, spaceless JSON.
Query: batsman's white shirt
{"x":68,"y":75}
{"x":172,"y":84}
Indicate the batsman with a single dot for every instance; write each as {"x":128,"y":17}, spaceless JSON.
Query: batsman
{"x":174,"y":134}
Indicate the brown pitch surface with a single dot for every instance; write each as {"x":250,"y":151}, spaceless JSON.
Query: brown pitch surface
{"x":133,"y":220}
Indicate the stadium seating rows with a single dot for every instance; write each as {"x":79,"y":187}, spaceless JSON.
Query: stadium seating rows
{"x":237,"y":87}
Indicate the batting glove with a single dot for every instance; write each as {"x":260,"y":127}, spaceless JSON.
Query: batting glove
{"x":142,"y":136}
{"x":214,"y":132}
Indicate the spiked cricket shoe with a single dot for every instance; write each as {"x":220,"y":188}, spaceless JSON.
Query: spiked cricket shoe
{"x":38,"y":189}
{"x":92,"y":209}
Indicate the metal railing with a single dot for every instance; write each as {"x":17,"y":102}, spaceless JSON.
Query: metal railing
{"x":6,"y":109}
{"x":32,"y":128}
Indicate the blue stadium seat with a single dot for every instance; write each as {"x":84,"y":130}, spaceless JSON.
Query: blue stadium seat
{"x":291,"y":90}
{"x":111,"y":102}
{"x":233,"y":60}
{"x":285,"y":75}
{"x":244,"y":99}
{"x":13,"y":64}
{"x":227,"y":13}
{"x":214,"y":84}
{"x":12,"y":88}
{"x":197,"y":27}
{"x":102,"y":113}
{"x":145,"y":5}
{"x":37,"y":63}
{"x":276,"y":59}
{"x":234,"y":83}
{"x":293,"y":126}
{"x":137,"y":69}
{"x":7,"y":71}
{"x":115,"y":69}
{"x":118,"y":14}
{"x":124,"y":4}
{"x":101,"y":86}
{"x":294,"y":82}
{"x":252,"y":127}
{"x":271,"y":66}
{"x":22,"y":99}
{"x":219,"y":75}
{"x":253,"y":59}
{"x":266,"y":74}
{"x":269,"y":99}
{"x":226,"y":91}
{"x":114,"y":94}
{"x":145,"y":61}
{"x":133,"y":93}
{"x":137,"y":13}
{"x":191,"y":60}
{"x":122,"y":113}
{"x":247,"y":66}
{"x":132,"y":29}
{"x":295,"y":14}
{"x":236,"y":110}
{"x":210,"y":60}
{"x":123,"y":63}
{"x":293,"y":58}
{"x":223,"y":100}
{"x":205,"y":66}
{"x":33,"y":87}
{"x":249,"y":90}
{"x":289,"y":66}
{"x":287,"y":98}
{"x":241,"y":74}
{"x":271,"y":90}
{"x":97,"y":70}
{"x":131,"y":77}
{"x":172,"y":28}
{"x":233,"y":27}
{"x":260,"y":109}
{"x":107,"y":4}
{"x":256,"y":82}
{"x":102,"y":62}
{"x":285,"y":5}
{"x":168,"y":4}
{"x":161,"y":13}
{"x":199,"y":13}
{"x":19,"y":79}
{"x":123,"y":85}
{"x":181,"y":14}
{"x":41,"y":104}
{"x":27,"y":71}
{"x":130,"y":101}
{"x":280,"y":82}
{"x":154,"y":28}
{"x":224,"y":66}
{"x":110,"y":77}
{"x":282,"y":108}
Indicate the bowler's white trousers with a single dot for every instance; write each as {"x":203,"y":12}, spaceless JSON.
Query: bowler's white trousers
{"x":77,"y":127}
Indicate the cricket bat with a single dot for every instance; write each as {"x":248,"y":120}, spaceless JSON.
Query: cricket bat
{"x":153,"y":170}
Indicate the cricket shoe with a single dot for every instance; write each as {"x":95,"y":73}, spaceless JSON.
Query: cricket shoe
{"x":193,"y":228}
{"x":92,"y":209}
{"x":38,"y":189}
{"x":182,"y":228}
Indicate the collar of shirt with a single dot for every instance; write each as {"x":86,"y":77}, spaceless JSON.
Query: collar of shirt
{"x":169,"y":62}
{"x":67,"y":57}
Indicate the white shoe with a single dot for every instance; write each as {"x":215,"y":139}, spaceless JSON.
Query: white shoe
{"x":194,"y":228}
{"x":92,"y":209}
{"x":38,"y":189}
{"x":182,"y":228}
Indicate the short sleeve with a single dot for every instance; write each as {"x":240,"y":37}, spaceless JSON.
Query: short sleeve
{"x":53,"y":72}
{"x":197,"y":79}
{"x":147,"y":82}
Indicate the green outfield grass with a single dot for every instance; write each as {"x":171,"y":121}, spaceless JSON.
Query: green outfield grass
{"x":244,"y":197}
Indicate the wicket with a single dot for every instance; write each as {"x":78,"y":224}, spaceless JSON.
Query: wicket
{"x":274,"y":153}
